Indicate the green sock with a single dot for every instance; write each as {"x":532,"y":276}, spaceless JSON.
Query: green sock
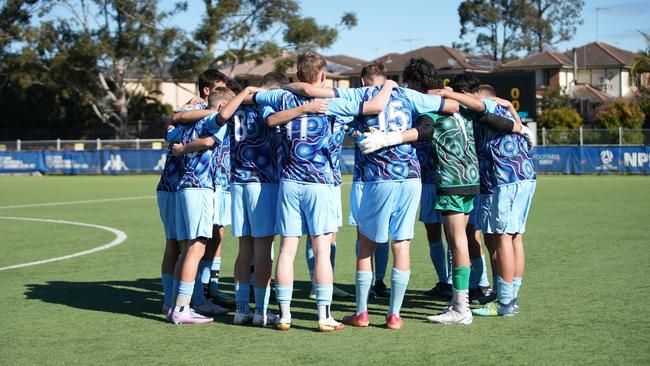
{"x":461,"y":278}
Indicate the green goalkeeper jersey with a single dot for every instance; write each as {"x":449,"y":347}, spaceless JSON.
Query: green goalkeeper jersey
{"x":453,"y":154}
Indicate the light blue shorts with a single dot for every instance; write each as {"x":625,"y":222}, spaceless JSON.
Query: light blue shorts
{"x":196,"y":209}
{"x":428,"y":213}
{"x":355,"y":202}
{"x":389,"y":206}
{"x":222,"y":209}
{"x":506,"y":210}
{"x":167,"y":209}
{"x":253,"y":209}
{"x":339,"y":205}
{"x":305,"y":208}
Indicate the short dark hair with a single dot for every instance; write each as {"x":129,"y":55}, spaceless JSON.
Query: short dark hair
{"x":234,"y":85}
{"x":421,"y":71}
{"x":209,"y":78}
{"x":488,"y":89}
{"x":465,"y":83}
{"x":309,"y":64}
{"x":274,"y":79}
{"x":373,"y":69}
{"x":220,"y":94}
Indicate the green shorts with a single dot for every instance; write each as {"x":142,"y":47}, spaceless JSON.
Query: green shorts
{"x":449,"y":204}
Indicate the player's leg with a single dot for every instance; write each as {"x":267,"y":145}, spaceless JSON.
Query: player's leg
{"x":438,"y":256}
{"x":284,"y":279}
{"x":166,"y":207}
{"x":324,"y":282}
{"x":520,"y":264}
{"x":521,"y":208}
{"x":263,"y":264}
{"x":242,"y":287}
{"x":478,"y":282}
{"x":379,"y":288}
{"x":363,"y":282}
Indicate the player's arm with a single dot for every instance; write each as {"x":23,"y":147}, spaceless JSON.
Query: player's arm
{"x":191,"y":116}
{"x":467,"y":100}
{"x":173,"y":133}
{"x":377,"y":104}
{"x":308,"y":90}
{"x":196,"y":145}
{"x":231,"y":107}
{"x":431,"y":102}
{"x":511,"y":108}
{"x":316,"y":106}
{"x":375,"y":139}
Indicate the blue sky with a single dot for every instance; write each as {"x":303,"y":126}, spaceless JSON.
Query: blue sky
{"x":399,"y":26}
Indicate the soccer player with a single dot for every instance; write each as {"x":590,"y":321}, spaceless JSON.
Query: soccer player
{"x":419,"y":74}
{"x":306,"y":203}
{"x":457,"y":182}
{"x":504,"y":208}
{"x":195,"y":206}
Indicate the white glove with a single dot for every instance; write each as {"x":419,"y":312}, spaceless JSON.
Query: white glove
{"x":375,"y":140}
{"x":528,"y":135}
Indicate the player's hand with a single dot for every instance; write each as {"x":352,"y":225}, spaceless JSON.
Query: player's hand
{"x":317,"y":106}
{"x":177,"y":150}
{"x":502,"y":102}
{"x":439,"y":92}
{"x":391,"y":83}
{"x":375,"y":140}
{"x":527,"y":133}
{"x":252,"y":89}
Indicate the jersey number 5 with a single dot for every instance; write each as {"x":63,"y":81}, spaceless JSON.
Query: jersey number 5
{"x":393,"y":118}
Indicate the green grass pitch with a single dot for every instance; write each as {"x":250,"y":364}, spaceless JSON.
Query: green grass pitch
{"x":584,"y":298}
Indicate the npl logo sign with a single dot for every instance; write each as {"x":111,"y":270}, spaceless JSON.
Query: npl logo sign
{"x":606,"y":159}
{"x":636,"y":159}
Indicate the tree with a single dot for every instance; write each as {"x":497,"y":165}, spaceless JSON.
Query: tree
{"x":248,"y":31}
{"x":495,"y":24}
{"x":560,"y":118}
{"x":621,"y":113}
{"x":555,"y":98}
{"x":548,"y":22}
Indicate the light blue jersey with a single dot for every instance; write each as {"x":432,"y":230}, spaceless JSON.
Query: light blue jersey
{"x":397,"y":162}
{"x":197,"y":170}
{"x":170,"y":174}
{"x":252,"y":147}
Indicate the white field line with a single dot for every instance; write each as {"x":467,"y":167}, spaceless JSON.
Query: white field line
{"x":120,"y":237}
{"x":76,"y":202}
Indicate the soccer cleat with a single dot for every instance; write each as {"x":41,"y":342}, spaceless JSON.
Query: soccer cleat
{"x":490,"y":295}
{"x":339,"y":293}
{"x":264,"y":320}
{"x":452,"y":316}
{"x":329,"y":325}
{"x":380,"y":290}
{"x":188,"y":317}
{"x":242,"y":318}
{"x":282,"y":324}
{"x":495,"y":308}
{"x":394,"y":322}
{"x":209,"y":309}
{"x":223,"y":300}
{"x":441,"y":290}
{"x":357,"y":320}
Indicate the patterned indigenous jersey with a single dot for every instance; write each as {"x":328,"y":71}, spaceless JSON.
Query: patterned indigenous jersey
{"x":357,"y":171}
{"x":428,"y":171}
{"x":197,"y":169}
{"x":396,"y":162}
{"x":170,"y":174}
{"x":221,"y":161}
{"x":512,"y":160}
{"x":453,"y":154}
{"x":335,"y":146}
{"x":306,"y":149}
{"x":252,"y":145}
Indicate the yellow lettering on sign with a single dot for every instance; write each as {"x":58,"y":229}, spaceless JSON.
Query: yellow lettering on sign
{"x":515,"y":104}
{"x":445,"y":82}
{"x":514,"y":93}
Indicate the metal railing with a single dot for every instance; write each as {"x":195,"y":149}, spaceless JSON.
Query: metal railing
{"x":82,"y":145}
{"x":588,"y":136}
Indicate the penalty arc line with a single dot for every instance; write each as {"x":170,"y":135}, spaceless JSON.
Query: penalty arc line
{"x":120,"y":237}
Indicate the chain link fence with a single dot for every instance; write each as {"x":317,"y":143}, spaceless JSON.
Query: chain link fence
{"x":82,"y":145}
{"x":584,"y":136}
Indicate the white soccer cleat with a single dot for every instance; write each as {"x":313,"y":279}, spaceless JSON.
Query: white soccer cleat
{"x":208,"y":308}
{"x":452,"y":316}
{"x":242,"y":318}
{"x":188,"y":317}
{"x":263,"y":320}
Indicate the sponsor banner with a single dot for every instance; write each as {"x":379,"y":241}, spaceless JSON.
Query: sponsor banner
{"x":548,"y":159}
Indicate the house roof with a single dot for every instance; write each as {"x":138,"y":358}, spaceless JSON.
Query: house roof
{"x":540,"y":60}
{"x":442,"y":57}
{"x":336,"y":65}
{"x":590,"y":93}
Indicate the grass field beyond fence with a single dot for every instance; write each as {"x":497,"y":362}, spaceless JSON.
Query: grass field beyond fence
{"x":584,"y":297}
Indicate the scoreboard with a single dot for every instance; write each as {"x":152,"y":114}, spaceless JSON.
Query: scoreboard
{"x":517,"y":87}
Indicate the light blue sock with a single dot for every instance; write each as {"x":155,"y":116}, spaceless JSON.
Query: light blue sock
{"x":168,"y":288}
{"x":399,"y":280}
{"x":450,"y":266}
{"x":242,"y":293}
{"x":505,"y":291}
{"x":323,"y":294}
{"x":483,"y":282}
{"x":333,"y":255}
{"x":516,"y":284}
{"x":197,"y":294}
{"x":283,"y":294}
{"x":363,"y":282}
{"x":204,"y":271}
{"x":381,"y":261}
{"x":262,"y":296}
{"x":437,"y":255}
{"x":184,"y":291}
{"x":215,"y":269}
{"x":476,"y":269}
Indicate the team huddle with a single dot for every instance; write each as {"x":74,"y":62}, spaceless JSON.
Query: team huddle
{"x":265,"y":160}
